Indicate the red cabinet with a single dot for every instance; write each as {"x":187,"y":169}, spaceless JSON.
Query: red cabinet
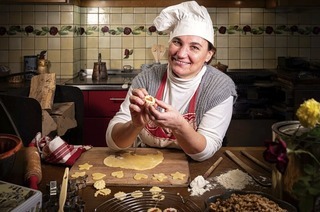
{"x":99,"y":109}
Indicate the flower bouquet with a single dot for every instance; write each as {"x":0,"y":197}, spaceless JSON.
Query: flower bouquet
{"x":296,"y":155}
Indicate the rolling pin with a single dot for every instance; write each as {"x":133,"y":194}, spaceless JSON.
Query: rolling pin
{"x":33,"y":174}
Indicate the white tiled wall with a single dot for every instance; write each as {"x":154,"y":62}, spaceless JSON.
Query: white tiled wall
{"x":70,"y":52}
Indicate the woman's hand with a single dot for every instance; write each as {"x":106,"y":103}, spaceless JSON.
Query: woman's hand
{"x":137,"y":107}
{"x":169,"y":118}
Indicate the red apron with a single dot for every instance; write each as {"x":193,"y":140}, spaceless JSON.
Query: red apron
{"x":164,"y":136}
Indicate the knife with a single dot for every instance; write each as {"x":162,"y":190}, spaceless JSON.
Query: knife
{"x":257,"y":176}
{"x":63,"y":190}
{"x":255,"y":160}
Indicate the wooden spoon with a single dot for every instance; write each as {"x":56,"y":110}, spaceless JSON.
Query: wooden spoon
{"x":154,"y":50}
{"x":162,"y":50}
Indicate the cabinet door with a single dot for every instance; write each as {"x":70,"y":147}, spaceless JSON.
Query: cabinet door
{"x":105,"y":103}
{"x":95,"y":131}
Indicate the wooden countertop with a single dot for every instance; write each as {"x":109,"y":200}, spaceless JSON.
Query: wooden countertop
{"x":55,"y":172}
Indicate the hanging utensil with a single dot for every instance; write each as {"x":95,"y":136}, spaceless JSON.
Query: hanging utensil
{"x":154,"y":50}
{"x":162,"y":50}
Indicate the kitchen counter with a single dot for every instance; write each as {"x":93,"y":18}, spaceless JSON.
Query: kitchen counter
{"x":55,"y":172}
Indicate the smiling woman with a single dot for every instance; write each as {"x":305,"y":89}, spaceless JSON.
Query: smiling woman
{"x":193,"y":100}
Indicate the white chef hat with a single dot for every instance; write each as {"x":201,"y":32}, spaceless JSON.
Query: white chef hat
{"x":187,"y":18}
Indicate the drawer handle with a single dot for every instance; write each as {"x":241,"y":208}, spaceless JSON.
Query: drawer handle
{"x":117,"y":99}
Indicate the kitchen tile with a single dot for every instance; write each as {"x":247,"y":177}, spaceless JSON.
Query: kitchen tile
{"x":281,"y":18}
{"x":139,"y":10}
{"x":53,"y":55}
{"x":139,"y":54}
{"x":127,"y":42}
{"x":269,"y":53}
{"x":234,"y":64}
{"x":104,"y":19}
{"x":41,"y":18}
{"x":67,"y":8}
{"x":137,"y":63}
{"x":116,"y":64}
{"x":15,"y":43}
{"x":54,"y":43}
{"x":27,"y":8}
{"x":257,"y":64}
{"x":222,"y":18}
{"x":115,"y":18}
{"x":15,"y":57}
{"x":221,"y":41}
{"x":92,"y":42}
{"x":269,"y":18}
{"x":245,"y":53}
{"x":127,"y":19}
{"x":293,"y":41}
{"x":126,"y":10}
{"x":53,"y":8}
{"x":92,"y":18}
{"x":281,"y":52}
{"x":257,"y":53}
{"x":66,"y":43}
{"x":116,"y":42}
{"x":222,"y":53}
{"x":104,"y":42}
{"x":140,"y":19}
{"x":257,"y":41}
{"x":116,"y":54}
{"x":150,"y":41}
{"x":245,"y":64}
{"x":92,"y":54}
{"x":93,"y":10}
{"x":257,"y":18}
{"x":27,"y":18}
{"x":67,"y":69}
{"x":234,"y":41}
{"x":269,"y":64}
{"x":150,"y":18}
{"x":25,"y":53}
{"x":163,"y":40}
{"x":138,"y":42}
{"x":245,"y":41}
{"x":27,"y":43}
{"x":53,"y":18}
{"x":4,"y":56}
{"x":15,"y":18}
{"x":66,"y":56}
{"x":16,"y":67}
{"x":304,"y":52}
{"x":67,"y":18}
{"x":269,"y":41}
{"x":281,"y":41}
{"x":40,"y":8}
{"x":315,"y":41}
{"x":4,"y":43}
{"x":233,"y":54}
{"x":293,"y":18}
{"x":315,"y":54}
{"x":304,"y":42}
{"x":115,"y":10}
{"x":105,"y":54}
{"x":245,"y":18}
{"x":55,"y":68}
{"x":104,"y":10}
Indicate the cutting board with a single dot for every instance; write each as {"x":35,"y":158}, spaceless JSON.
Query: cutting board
{"x":174,"y":161}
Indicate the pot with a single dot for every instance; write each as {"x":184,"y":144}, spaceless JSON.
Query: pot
{"x":9,"y":146}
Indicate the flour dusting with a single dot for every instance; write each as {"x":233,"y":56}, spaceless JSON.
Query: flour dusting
{"x":234,"y":179}
{"x":199,"y":185}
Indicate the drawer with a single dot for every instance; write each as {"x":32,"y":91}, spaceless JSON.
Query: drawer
{"x":105,"y":103}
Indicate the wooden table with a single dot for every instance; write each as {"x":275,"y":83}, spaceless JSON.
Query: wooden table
{"x":55,"y":172}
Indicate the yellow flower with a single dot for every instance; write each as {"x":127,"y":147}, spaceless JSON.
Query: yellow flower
{"x":309,"y":113}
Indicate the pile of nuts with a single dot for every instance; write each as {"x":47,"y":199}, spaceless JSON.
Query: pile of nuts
{"x":245,"y":202}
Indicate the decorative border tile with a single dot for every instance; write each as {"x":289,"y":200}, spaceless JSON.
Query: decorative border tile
{"x":89,"y":30}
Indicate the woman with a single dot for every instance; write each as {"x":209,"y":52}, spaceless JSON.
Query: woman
{"x":194,"y":101}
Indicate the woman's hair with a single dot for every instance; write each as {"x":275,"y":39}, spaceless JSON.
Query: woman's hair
{"x":213,"y":49}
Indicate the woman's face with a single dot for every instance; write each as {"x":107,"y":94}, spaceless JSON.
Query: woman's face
{"x":187,"y":55}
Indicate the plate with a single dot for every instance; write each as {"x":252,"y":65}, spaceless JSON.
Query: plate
{"x":282,"y":204}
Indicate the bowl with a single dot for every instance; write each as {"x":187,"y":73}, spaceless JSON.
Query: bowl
{"x":9,"y":146}
{"x":284,"y":205}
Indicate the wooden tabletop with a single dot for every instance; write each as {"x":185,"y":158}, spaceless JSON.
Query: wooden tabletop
{"x":55,"y":173}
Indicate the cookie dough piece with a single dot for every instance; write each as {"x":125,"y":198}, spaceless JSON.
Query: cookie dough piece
{"x":137,"y":194}
{"x":120,"y":195}
{"x":170,"y":210}
{"x":178,"y":176}
{"x":103,"y":192}
{"x":78,"y":174}
{"x":98,"y":176}
{"x":160,"y":177}
{"x":154,"y":210}
{"x":85,"y":166}
{"x":140,"y":176}
{"x":150,"y":100}
{"x":100,"y":184}
{"x":158,"y":197}
{"x":117,"y":174}
{"x":155,"y":190}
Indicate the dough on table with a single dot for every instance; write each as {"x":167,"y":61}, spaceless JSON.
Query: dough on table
{"x":103,"y":192}
{"x":128,"y":160}
{"x":78,"y":174}
{"x":100,"y":184}
{"x":117,"y":174}
{"x":120,"y":195}
{"x":178,"y":176}
{"x":137,"y":194}
{"x":85,"y":166}
{"x":160,"y":177}
{"x":140,"y":176}
{"x":98,"y":176}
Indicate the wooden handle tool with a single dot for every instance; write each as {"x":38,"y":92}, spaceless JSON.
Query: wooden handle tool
{"x":33,"y":168}
{"x":63,"y":190}
{"x":213,"y":167}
